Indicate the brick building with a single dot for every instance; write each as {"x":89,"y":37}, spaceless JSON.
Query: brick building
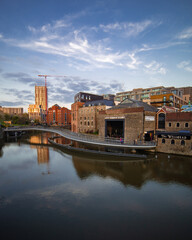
{"x":130,"y":120}
{"x":75,"y":115}
{"x":161,"y":115}
{"x":88,"y":115}
{"x":59,"y":116}
{"x":177,"y":137}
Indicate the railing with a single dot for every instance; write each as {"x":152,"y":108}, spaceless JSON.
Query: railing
{"x":89,"y":138}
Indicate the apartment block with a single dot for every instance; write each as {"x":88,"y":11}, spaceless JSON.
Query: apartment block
{"x":84,"y":97}
{"x":41,"y":96}
{"x":11,"y":111}
{"x":59,"y":116}
{"x":36,"y":113}
{"x":147,"y":94}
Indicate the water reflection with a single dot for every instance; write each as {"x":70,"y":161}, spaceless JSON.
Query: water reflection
{"x":91,"y":197}
{"x":42,"y":152}
{"x":163,"y":169}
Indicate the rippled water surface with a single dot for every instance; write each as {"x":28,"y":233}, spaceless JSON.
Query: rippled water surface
{"x":47,"y":193}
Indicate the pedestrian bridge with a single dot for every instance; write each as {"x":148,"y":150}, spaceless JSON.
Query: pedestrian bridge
{"x":85,"y":138}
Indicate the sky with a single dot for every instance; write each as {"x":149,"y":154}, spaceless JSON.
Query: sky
{"x":97,"y":46}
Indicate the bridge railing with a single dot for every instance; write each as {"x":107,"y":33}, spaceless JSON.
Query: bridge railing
{"x":89,"y":138}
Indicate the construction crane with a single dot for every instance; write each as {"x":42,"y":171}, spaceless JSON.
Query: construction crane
{"x":45,"y":76}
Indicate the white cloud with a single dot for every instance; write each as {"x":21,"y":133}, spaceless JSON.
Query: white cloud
{"x":129,"y":29}
{"x":155,"y":68}
{"x":185,"y":34}
{"x":186,"y":65}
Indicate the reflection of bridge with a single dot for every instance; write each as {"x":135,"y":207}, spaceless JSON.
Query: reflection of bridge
{"x":87,"y":139}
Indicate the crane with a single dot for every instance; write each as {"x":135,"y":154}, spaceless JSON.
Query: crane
{"x":45,"y":76}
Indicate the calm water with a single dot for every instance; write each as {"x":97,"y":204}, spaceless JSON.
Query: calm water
{"x":46,"y":193}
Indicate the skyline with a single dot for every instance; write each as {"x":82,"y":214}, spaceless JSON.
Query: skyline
{"x":100,"y":46}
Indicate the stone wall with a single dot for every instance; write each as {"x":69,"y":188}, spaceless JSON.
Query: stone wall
{"x":176,"y":148}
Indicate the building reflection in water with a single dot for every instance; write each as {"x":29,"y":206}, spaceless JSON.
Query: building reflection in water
{"x":137,"y":173}
{"x":42,"y":151}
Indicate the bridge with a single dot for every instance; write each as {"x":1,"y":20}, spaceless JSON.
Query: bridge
{"x":85,"y":138}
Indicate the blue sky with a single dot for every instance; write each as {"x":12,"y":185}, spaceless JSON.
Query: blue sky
{"x":99,"y":46}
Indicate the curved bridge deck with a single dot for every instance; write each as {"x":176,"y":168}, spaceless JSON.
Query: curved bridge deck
{"x":94,"y":140}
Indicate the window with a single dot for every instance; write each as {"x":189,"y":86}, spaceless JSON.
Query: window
{"x":178,"y":124}
{"x":182,"y":142}
{"x":186,"y":125}
{"x":88,"y":123}
{"x":84,"y":123}
{"x":169,"y":124}
{"x":172,"y":141}
{"x":163,"y":140}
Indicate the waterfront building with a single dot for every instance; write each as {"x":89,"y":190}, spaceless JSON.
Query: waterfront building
{"x":84,"y":97}
{"x":161,"y":114}
{"x":59,"y":116}
{"x":36,"y":113}
{"x":75,"y":115}
{"x":177,"y":137}
{"x":88,"y":115}
{"x":11,"y":110}
{"x":130,"y":120}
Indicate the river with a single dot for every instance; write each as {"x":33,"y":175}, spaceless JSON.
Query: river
{"x":48,"y":193}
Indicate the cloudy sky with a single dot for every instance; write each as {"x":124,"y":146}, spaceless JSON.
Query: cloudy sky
{"x":105,"y":46}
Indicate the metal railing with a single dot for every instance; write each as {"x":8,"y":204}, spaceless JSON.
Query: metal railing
{"x":88,"y":138}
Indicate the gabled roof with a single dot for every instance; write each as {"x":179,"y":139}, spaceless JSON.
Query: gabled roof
{"x":131,"y":103}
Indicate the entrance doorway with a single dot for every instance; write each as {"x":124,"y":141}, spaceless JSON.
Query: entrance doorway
{"x":114,"y":128}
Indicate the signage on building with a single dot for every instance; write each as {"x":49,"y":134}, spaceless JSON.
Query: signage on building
{"x":174,"y":136}
{"x":115,"y":118}
{"x":150,"y":118}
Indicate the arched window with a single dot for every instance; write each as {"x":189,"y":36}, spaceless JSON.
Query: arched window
{"x":186,"y":125}
{"x":163,"y":140}
{"x":182,"y":142}
{"x":172,"y":141}
{"x":161,"y":121}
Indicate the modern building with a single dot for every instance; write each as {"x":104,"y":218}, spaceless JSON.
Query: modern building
{"x":168,"y":99}
{"x":59,"y":116}
{"x":11,"y":111}
{"x":84,"y":97}
{"x":148,"y":94}
{"x":130,"y":120}
{"x":75,"y":115}
{"x":36,"y":113}
{"x":41,"y":97}
{"x":88,"y":115}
